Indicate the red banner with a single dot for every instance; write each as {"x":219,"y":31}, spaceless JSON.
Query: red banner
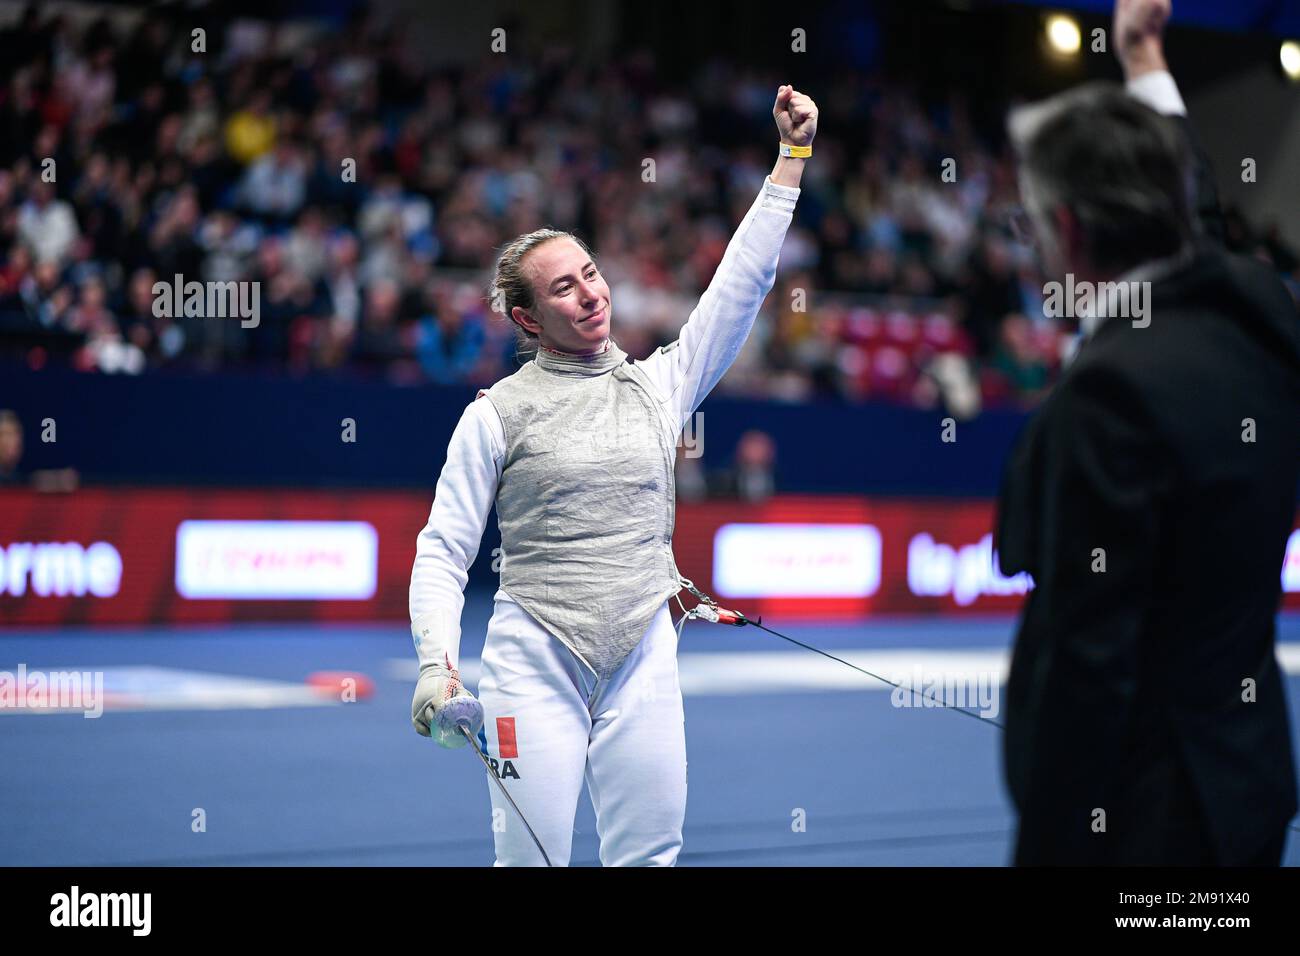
{"x":57,"y":551}
{"x":130,"y":556}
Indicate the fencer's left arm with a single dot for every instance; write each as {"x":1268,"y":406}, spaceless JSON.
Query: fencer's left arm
{"x":687,"y":370}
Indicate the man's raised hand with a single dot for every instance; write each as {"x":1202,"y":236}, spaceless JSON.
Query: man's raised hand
{"x":1138,"y":35}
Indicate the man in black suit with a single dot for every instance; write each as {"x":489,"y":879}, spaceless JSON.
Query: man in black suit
{"x":1150,"y":498}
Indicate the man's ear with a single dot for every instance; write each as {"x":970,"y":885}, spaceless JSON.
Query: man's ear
{"x":521,"y":317}
{"x":1071,"y":241}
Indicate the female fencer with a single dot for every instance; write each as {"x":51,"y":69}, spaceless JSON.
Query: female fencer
{"x":576,"y":449}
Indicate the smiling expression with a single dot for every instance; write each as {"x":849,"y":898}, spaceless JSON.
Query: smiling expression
{"x":571,"y":306}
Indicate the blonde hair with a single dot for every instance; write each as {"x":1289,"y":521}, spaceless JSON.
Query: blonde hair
{"x":511,"y":287}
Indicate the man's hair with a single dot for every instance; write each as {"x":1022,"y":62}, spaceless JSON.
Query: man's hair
{"x":512,"y":287}
{"x":1121,"y":168}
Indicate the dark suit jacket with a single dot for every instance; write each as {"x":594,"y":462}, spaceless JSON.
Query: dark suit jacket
{"x":1127,"y":684}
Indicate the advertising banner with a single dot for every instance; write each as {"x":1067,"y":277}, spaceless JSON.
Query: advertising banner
{"x":171,"y":555}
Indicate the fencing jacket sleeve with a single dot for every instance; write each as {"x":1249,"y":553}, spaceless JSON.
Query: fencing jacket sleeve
{"x":450,"y":540}
{"x":686,"y":371}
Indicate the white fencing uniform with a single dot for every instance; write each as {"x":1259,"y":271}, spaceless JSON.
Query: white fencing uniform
{"x":549,"y":723}
{"x":579,"y":673}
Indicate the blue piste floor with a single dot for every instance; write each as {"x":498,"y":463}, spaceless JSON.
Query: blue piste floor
{"x":279,"y":782}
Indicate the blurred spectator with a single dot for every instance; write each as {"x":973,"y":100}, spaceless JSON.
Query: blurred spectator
{"x":47,"y":225}
{"x":275,"y":184}
{"x":1017,"y":361}
{"x":11,"y":453}
{"x":689,"y":477}
{"x":752,"y":475}
{"x":307,"y":250}
{"x":250,"y":131}
{"x":993,"y":291}
{"x":11,"y":448}
{"x":153,"y":335}
{"x":449,"y":343}
{"x":45,"y":297}
{"x":380,"y":338}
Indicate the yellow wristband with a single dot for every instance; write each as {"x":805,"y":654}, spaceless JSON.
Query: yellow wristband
{"x":798,"y":152}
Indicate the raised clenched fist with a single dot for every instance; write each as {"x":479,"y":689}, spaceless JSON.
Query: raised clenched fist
{"x":1138,"y":30}
{"x":796,"y":116}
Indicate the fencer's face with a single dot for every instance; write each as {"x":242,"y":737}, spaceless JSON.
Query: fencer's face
{"x":571,"y":307}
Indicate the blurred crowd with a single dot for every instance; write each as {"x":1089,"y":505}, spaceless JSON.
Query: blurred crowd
{"x":367,"y":194}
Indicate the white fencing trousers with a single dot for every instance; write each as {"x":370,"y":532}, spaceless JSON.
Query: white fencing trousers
{"x":548,"y":722}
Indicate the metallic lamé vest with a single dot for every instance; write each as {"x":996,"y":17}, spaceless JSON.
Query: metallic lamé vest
{"x":586,"y":501}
